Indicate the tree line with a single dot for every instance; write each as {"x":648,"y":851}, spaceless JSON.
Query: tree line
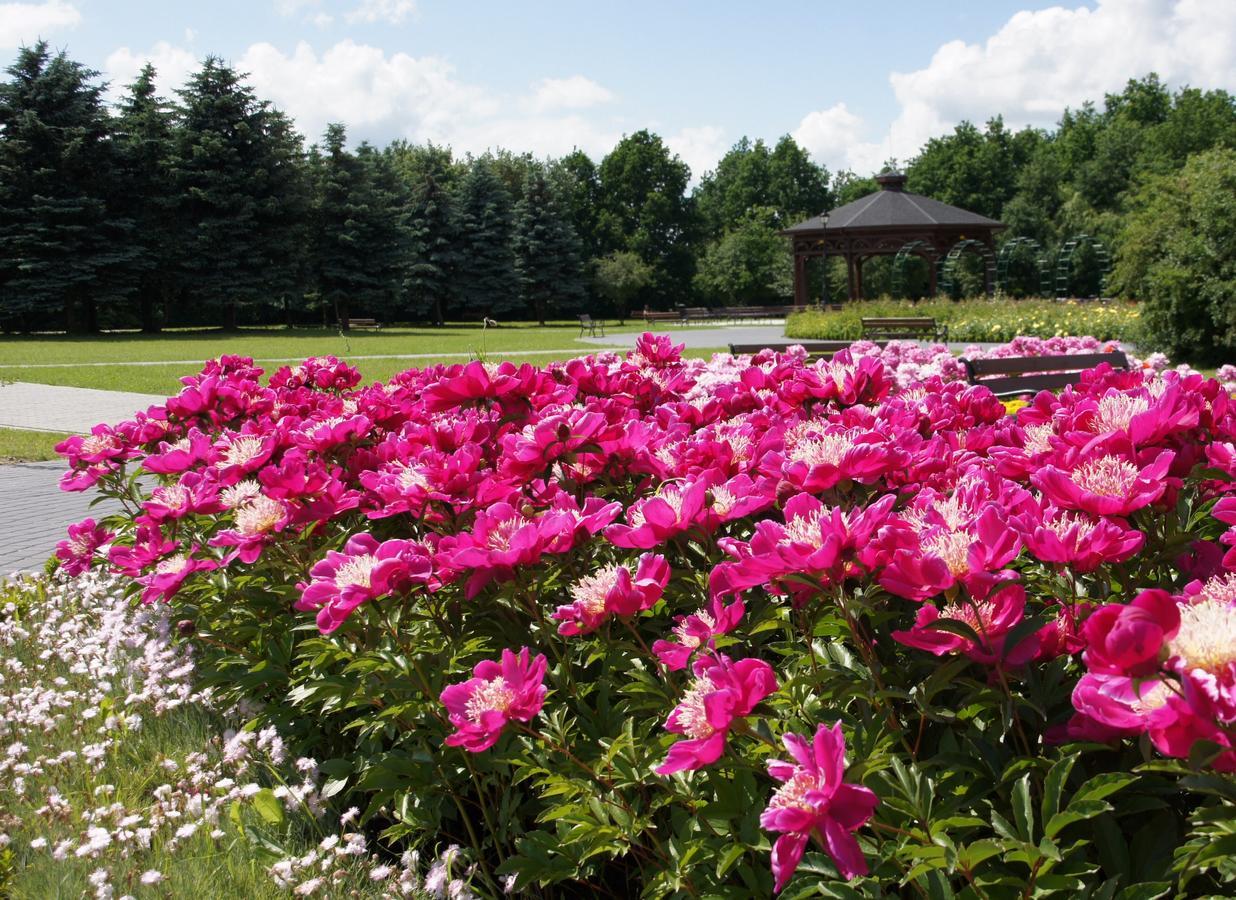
{"x":209,"y":208}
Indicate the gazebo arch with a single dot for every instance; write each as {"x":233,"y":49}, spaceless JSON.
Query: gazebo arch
{"x":881,"y":224}
{"x":1004,"y":259}
{"x":924,"y":251}
{"x":1064,"y":263}
{"x":948,"y":268}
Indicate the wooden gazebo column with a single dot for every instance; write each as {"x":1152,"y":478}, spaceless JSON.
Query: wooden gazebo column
{"x":800,"y":278}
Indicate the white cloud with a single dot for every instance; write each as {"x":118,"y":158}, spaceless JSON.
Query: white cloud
{"x":575,"y":92}
{"x":834,"y":135}
{"x":25,"y":23}
{"x":391,"y":12}
{"x":173,"y":66}
{"x":322,"y":20}
{"x":1033,"y":67}
{"x":1040,"y":62}
{"x":700,"y":148}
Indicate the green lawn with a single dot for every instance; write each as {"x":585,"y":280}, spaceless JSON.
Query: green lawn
{"x":74,"y":359}
{"x":19,"y":445}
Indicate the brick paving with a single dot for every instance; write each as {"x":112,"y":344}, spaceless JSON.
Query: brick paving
{"x":50,"y":407}
{"x":34,"y":513}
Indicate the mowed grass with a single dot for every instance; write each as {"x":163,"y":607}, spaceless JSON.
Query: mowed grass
{"x":19,"y":445}
{"x":82,"y":361}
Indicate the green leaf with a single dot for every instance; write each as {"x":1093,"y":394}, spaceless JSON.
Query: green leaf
{"x":1023,"y":812}
{"x":1146,"y":891}
{"x":1078,"y":811}
{"x":1053,"y":787}
{"x":959,"y":628}
{"x":268,"y":806}
{"x":728,"y":858}
{"x":1101,"y":786}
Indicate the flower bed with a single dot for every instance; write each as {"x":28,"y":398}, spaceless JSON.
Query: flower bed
{"x":640,"y":624}
{"x":979,"y":320}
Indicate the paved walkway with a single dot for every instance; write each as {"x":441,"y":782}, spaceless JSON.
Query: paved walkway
{"x":702,"y":337}
{"x":34,"y":514}
{"x":50,"y":407}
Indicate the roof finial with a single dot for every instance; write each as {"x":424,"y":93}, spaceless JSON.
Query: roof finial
{"x":891,"y":180}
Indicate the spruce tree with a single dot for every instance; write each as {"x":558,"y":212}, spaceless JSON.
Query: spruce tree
{"x":60,"y":246}
{"x":237,"y":170}
{"x":433,"y":253}
{"x":389,"y":235}
{"x":485,"y":280}
{"x":284,"y":200}
{"x":546,"y":248}
{"x":143,"y":144}
{"x":342,"y":277}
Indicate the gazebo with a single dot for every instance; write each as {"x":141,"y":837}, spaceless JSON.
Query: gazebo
{"x":892,"y":221}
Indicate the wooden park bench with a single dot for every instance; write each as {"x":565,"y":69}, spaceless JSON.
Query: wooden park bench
{"x":589,"y":325}
{"x":353,"y":322}
{"x":815,"y":349}
{"x":910,"y":328}
{"x":651,"y":315}
{"x":1014,"y":375}
{"x":757,"y":312}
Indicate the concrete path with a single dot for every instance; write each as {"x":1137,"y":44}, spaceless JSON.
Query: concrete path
{"x":34,"y":514}
{"x":49,"y":407}
{"x":702,"y":337}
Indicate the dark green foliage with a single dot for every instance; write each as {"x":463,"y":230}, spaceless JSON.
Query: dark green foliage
{"x":1178,"y":255}
{"x":645,"y":209}
{"x":750,"y":265}
{"x":547,"y":263}
{"x":360,"y":235}
{"x":433,"y":253}
{"x":237,"y":172}
{"x":620,"y":278}
{"x":485,"y":273}
{"x":751,"y":177}
{"x":142,"y":141}
{"x":63,"y":251}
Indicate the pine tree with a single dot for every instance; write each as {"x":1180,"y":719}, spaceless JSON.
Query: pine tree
{"x":389,"y":235}
{"x":485,"y":279}
{"x":284,"y":200}
{"x":546,"y":247}
{"x":60,"y":246}
{"x":238,"y":174}
{"x":342,"y":277}
{"x":434,"y":253}
{"x":143,"y":144}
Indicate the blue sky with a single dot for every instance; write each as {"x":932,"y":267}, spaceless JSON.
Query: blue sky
{"x":855,"y":83}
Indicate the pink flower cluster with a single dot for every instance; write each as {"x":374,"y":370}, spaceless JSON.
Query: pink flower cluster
{"x":656,"y":486}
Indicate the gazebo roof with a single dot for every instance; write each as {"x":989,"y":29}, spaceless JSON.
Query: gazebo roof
{"x":892,"y":207}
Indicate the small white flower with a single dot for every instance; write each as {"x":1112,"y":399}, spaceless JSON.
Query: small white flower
{"x":152,"y":876}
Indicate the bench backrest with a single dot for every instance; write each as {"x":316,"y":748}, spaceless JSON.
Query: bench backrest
{"x":585,"y":319}
{"x":1030,"y":374}
{"x":810,"y":346}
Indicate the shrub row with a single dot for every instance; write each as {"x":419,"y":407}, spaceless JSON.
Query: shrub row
{"x":996,"y":320}
{"x":640,"y":625}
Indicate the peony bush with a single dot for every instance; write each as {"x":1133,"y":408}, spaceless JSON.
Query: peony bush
{"x":642,"y":625}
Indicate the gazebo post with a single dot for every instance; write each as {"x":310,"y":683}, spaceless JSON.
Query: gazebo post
{"x":800,"y":279}
{"x":849,"y":275}
{"x":858,"y":275}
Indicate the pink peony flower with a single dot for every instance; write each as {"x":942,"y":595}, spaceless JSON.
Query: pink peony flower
{"x":613,"y":591}
{"x":498,"y":693}
{"x":1081,"y":541}
{"x":723,"y":691}
{"x":363,"y":571}
{"x":170,"y":573}
{"x":77,"y":552}
{"x":697,"y":631}
{"x":1105,"y":484}
{"x":1126,"y":639}
{"x":654,"y":520}
{"x":990,"y":618}
{"x":815,"y":803}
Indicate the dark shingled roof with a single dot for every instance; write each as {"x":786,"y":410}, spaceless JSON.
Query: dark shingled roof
{"x":893,"y":207}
